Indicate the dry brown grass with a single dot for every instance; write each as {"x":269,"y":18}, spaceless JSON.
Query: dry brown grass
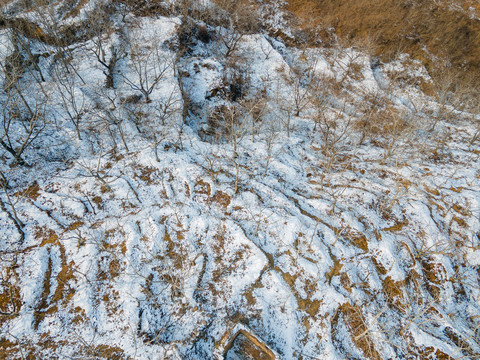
{"x":353,"y":317}
{"x":435,"y":275}
{"x":391,"y":26}
{"x":10,"y":296}
{"x":144,"y":8}
{"x":248,"y":347}
{"x":244,"y":13}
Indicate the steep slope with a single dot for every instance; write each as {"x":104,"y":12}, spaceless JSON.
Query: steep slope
{"x":176,"y":182}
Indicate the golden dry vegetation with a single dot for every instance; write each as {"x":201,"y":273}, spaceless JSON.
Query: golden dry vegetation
{"x":427,"y":30}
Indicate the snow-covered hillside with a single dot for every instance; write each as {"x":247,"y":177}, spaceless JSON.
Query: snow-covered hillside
{"x":183,"y":181}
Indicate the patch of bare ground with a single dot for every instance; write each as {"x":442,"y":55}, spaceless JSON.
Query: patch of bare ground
{"x":353,"y":318}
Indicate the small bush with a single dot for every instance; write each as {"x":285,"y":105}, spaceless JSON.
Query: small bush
{"x":204,"y":35}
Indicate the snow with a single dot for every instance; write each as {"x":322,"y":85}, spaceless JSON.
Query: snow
{"x":165,"y":257}
{"x":473,"y":258}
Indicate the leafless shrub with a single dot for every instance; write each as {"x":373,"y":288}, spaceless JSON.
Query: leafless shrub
{"x":186,"y":34}
{"x":197,"y":22}
{"x":21,"y":61}
{"x":142,"y":7}
{"x":380,"y":119}
{"x":443,"y":94}
{"x":347,"y":64}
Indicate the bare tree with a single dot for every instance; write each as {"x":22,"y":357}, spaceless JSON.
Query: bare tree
{"x":98,"y":49}
{"x":75,"y":103}
{"x":149,"y":66}
{"x":303,"y":81}
{"x":347,"y":63}
{"x":255,"y":109}
{"x":271,"y":134}
{"x":156,"y":120}
{"x":230,"y":125}
{"x":334,"y":126}
{"x":231,"y":40}
{"x":111,"y":113}
{"x":12,"y":214}
{"x":21,"y":122}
